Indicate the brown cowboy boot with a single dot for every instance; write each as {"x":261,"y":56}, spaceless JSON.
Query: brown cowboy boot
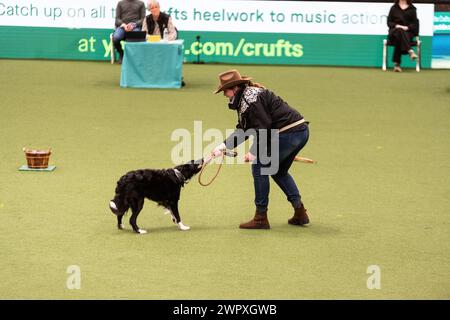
{"x":300,"y":217}
{"x":260,"y":221}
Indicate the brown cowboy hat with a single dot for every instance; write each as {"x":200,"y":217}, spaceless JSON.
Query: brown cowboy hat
{"x":230,"y":79}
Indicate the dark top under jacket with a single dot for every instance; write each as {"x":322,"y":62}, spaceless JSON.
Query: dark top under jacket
{"x":406,"y":17}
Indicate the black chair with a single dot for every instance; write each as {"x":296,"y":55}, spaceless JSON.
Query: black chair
{"x":417,"y":43}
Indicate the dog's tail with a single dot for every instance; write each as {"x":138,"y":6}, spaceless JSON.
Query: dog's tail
{"x":113,"y":207}
{"x":119,"y":205}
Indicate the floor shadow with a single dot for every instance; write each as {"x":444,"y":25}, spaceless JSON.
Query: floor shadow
{"x":319,"y":230}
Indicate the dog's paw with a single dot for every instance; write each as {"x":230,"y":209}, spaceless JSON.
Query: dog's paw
{"x":142,"y":231}
{"x":182,"y":227}
{"x":120,"y":226}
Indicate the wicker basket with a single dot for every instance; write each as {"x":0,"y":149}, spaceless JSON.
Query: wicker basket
{"x":37,"y":159}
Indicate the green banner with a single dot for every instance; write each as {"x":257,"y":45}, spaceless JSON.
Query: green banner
{"x":292,"y":49}
{"x":54,"y":43}
{"x":217,"y":47}
{"x":441,"y":23}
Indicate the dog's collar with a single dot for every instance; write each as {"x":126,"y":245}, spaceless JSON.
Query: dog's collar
{"x":179,"y":175}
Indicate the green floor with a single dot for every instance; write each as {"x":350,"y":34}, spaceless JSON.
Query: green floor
{"x":379,"y":194}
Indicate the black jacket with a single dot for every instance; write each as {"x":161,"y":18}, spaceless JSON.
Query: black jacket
{"x":406,"y":17}
{"x":260,"y":108}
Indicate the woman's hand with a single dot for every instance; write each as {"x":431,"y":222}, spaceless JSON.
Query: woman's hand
{"x":249,"y":157}
{"x":130,"y":26}
{"x":217,"y":152}
{"x":399,"y":26}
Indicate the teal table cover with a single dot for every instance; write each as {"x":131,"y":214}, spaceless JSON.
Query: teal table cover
{"x":152,"y":64}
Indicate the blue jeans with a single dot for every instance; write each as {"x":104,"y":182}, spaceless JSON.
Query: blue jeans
{"x":289,"y":145}
{"x":118,"y":36}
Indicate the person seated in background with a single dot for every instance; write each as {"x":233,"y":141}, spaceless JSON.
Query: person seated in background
{"x":403,"y":27}
{"x":129,"y":16}
{"x":156,"y":22}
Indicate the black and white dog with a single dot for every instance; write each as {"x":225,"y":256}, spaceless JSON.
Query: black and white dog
{"x":162,"y":186}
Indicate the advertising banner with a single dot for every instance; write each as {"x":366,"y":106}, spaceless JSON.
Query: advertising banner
{"x":441,"y":41}
{"x":442,"y":23}
{"x":228,"y":31}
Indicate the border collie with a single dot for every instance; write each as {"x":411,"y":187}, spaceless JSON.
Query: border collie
{"x":160,"y":185}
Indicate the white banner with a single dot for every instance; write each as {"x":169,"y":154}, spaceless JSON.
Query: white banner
{"x":220,"y":15}
{"x":97,"y":14}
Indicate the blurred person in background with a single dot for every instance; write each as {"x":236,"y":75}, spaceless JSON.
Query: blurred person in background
{"x":156,"y":22}
{"x":129,"y":17}
{"x":403,"y":27}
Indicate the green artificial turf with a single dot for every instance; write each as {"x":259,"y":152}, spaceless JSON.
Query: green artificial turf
{"x":379,"y":194}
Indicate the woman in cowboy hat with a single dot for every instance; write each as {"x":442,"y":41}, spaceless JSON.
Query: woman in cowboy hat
{"x":260,"y":109}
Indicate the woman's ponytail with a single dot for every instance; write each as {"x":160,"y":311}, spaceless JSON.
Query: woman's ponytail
{"x":255,"y":84}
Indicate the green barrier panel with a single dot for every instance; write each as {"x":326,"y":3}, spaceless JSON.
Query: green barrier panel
{"x":441,"y":23}
{"x":216,"y":47}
